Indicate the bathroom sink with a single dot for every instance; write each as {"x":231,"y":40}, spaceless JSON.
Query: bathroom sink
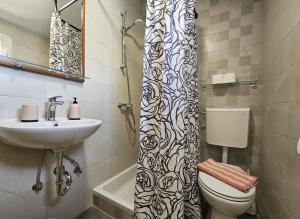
{"x":56,"y":135}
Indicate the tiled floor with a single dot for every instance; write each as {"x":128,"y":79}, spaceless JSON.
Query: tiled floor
{"x":94,"y":213}
{"x":247,"y":216}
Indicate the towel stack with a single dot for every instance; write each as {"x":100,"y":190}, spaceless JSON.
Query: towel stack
{"x":228,"y":175}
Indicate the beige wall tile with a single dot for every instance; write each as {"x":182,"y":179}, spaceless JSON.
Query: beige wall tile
{"x":275,"y":146}
{"x":274,"y":205}
{"x":227,"y":51}
{"x":277,"y":89}
{"x":293,"y":161}
{"x":294,"y":83}
{"x":291,"y":199}
{"x":281,"y":89}
{"x":294,"y":120}
{"x":276,"y":117}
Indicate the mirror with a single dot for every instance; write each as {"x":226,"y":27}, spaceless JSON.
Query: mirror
{"x":43,"y":36}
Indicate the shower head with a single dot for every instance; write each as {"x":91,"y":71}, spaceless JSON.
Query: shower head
{"x":137,"y":21}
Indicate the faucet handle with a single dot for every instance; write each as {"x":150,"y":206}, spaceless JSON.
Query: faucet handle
{"x":53,"y":99}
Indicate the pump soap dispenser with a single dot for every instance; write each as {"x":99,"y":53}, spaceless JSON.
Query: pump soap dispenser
{"x":74,"y":113}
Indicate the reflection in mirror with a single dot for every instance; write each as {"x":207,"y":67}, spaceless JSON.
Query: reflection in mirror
{"x":47,"y":34}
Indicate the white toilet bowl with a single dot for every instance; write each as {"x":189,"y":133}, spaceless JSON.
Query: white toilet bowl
{"x":226,"y":201}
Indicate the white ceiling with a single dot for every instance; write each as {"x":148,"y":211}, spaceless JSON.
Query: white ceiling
{"x":35,"y":15}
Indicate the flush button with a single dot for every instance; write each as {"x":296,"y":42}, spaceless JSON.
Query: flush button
{"x":298,"y":147}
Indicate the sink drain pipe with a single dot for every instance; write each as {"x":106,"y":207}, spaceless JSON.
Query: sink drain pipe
{"x":63,"y":177}
{"x":62,"y":186}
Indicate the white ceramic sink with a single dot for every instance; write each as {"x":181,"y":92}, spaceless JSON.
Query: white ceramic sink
{"x":58,"y":135}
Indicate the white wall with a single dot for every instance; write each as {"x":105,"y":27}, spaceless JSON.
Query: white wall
{"x":101,"y":156}
{"x":26,"y":45}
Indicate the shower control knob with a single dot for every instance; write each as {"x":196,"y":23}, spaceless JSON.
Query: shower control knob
{"x":37,"y":187}
{"x":125,"y":106}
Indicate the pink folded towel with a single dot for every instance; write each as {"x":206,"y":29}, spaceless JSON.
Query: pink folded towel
{"x":228,"y":175}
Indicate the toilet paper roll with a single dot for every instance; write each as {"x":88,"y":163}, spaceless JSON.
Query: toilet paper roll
{"x":29,"y":113}
{"x":230,"y":78}
{"x":217,"y":79}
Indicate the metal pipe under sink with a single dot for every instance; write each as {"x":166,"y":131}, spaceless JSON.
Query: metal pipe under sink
{"x":60,"y":172}
{"x":63,"y":177}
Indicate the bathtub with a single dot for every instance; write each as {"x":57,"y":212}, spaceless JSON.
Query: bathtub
{"x":119,"y":190}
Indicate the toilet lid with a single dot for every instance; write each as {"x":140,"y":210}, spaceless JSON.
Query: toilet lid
{"x":223,"y":190}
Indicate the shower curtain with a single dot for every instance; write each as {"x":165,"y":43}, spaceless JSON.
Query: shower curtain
{"x":65,"y":46}
{"x":166,"y":181}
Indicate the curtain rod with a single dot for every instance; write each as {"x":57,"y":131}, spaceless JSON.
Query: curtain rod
{"x":67,"y":5}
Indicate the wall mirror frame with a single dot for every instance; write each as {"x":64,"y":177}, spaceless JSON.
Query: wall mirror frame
{"x":43,"y":70}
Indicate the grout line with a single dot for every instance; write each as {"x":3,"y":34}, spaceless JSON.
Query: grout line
{"x":274,"y":50}
{"x":274,"y":131}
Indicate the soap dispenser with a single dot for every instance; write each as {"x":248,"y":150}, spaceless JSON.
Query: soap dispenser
{"x":74,"y":113}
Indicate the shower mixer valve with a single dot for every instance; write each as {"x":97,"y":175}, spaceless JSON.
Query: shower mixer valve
{"x":125,"y":106}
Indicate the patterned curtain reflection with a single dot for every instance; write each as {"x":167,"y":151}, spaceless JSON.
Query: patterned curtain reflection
{"x":65,"y":46}
{"x":166,"y":182}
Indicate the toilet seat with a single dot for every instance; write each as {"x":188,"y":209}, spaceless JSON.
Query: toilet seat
{"x":223,"y":190}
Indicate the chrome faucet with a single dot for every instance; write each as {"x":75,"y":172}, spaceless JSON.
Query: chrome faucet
{"x":52,"y":107}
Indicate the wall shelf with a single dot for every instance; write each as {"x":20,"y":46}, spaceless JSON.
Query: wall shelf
{"x":252,"y":83}
{"x":39,"y":69}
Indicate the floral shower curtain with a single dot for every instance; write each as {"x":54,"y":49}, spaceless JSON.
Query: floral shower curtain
{"x":65,"y":46}
{"x":166,"y":182}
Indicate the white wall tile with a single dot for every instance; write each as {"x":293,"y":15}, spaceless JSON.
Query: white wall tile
{"x":105,"y":153}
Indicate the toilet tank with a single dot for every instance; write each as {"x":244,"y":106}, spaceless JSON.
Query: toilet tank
{"x":228,"y":127}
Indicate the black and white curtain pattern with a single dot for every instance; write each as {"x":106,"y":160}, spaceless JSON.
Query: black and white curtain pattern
{"x":166,"y":182}
{"x":65,"y":46}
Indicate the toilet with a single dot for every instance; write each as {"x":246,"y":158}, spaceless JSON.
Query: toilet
{"x":226,"y":127}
